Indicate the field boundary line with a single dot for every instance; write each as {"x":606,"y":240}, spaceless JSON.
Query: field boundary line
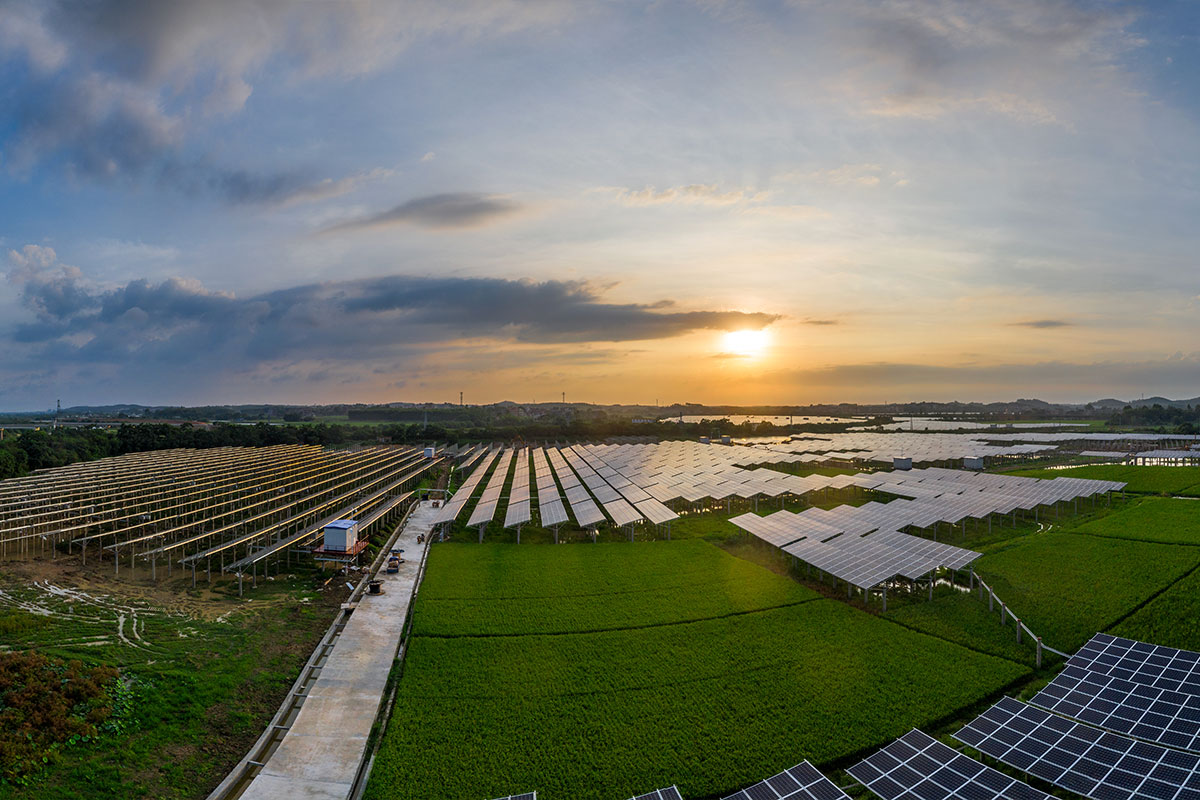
{"x":618,"y":630}
{"x":1152,"y":598}
{"x":951,"y":641}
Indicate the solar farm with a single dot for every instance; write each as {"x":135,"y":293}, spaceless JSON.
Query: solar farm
{"x":675,"y":620}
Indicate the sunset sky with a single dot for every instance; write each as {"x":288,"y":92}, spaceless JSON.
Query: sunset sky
{"x":234,"y":202}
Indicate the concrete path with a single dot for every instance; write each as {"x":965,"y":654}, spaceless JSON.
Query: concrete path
{"x":320,"y":755}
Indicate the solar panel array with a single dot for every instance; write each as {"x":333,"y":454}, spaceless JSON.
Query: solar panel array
{"x":517,"y":511}
{"x":670,"y":793}
{"x":526,"y":796}
{"x":455,"y":504}
{"x":926,"y":447}
{"x":1080,"y":758}
{"x":616,"y":506}
{"x":585,"y":511}
{"x":690,"y":471}
{"x":1143,"y":690}
{"x":485,"y":509}
{"x":918,"y":767}
{"x":801,"y":782}
{"x":551,"y":511}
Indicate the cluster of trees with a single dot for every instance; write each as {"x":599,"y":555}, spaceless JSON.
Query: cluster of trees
{"x":22,"y":453}
{"x":1160,"y":417}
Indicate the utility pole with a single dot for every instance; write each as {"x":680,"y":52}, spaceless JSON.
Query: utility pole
{"x":460,"y":402}
{"x":564,"y":397}
{"x":57,"y":411}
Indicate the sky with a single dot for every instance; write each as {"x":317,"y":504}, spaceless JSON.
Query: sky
{"x":244,"y":201}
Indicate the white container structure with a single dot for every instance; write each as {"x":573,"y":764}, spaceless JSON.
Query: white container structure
{"x":901,"y":463}
{"x":341,"y":535}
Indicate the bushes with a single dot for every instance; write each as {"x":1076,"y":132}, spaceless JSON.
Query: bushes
{"x":45,"y":704}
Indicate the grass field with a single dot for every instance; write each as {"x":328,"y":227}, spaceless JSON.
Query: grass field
{"x":1066,"y":586}
{"x":205,"y":671}
{"x":1149,"y":480}
{"x":658,"y":672}
{"x":1152,"y":519}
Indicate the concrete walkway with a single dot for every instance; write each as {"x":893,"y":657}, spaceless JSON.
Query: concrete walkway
{"x":320,"y":755}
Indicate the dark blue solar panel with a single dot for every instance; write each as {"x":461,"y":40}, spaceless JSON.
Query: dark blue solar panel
{"x":918,"y":767}
{"x":801,"y":782}
{"x":1087,"y":761}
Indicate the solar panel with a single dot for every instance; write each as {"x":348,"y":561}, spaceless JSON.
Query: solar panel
{"x":1142,"y":690}
{"x":1079,"y":758}
{"x":526,"y":796}
{"x":1147,"y":664}
{"x":918,"y":767}
{"x":670,"y":793}
{"x":801,"y":782}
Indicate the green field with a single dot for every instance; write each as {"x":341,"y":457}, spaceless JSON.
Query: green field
{"x":1066,"y":586}
{"x":204,"y":672}
{"x":1153,"y":519}
{"x":1149,"y":480}
{"x":661,"y":669}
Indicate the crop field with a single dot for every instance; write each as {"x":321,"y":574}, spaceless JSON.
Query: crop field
{"x":1171,"y":619}
{"x":653,"y":670}
{"x":201,"y":673}
{"x":1066,"y":586}
{"x":1153,"y":519}
{"x":1148,"y":480}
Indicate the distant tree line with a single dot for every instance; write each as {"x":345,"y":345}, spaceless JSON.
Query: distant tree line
{"x":1159,"y":417}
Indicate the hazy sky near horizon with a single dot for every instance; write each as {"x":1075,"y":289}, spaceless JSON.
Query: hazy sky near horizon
{"x":267,"y":201}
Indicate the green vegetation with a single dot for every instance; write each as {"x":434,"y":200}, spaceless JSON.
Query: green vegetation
{"x":962,"y":619}
{"x":662,"y":695}
{"x":201,"y":672}
{"x":1067,"y":586}
{"x":1171,"y":619}
{"x":1150,"y":480}
{"x":47,"y":704}
{"x":1152,"y":519}
{"x":654,"y":584}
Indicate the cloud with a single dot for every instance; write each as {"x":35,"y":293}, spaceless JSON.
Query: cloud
{"x":1043,"y":323}
{"x":181,"y":331}
{"x":51,"y":290}
{"x":811,"y":321}
{"x":1024,"y":59}
{"x":456,"y":210}
{"x":121,"y":90}
{"x":691,"y":194}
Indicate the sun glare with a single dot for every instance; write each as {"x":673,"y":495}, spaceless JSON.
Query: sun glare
{"x":747,"y":343}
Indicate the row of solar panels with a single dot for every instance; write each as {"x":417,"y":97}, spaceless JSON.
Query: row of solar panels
{"x":518,"y":510}
{"x":1137,"y":698}
{"x":863,"y":561}
{"x":801,"y":782}
{"x":456,"y":503}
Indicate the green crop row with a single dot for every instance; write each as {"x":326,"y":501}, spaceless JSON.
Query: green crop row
{"x":1172,"y":619}
{"x":1153,"y":519}
{"x":709,"y":705}
{"x":500,"y":570}
{"x":1067,"y":586}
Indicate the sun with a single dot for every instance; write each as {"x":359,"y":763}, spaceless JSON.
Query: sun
{"x":746,"y":343}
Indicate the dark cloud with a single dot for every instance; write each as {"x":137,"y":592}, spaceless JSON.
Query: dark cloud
{"x":438,"y":212}
{"x":1043,"y":323}
{"x":822,"y":322}
{"x":180,"y":326}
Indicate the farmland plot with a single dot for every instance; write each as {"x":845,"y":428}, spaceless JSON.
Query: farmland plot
{"x":709,"y":704}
